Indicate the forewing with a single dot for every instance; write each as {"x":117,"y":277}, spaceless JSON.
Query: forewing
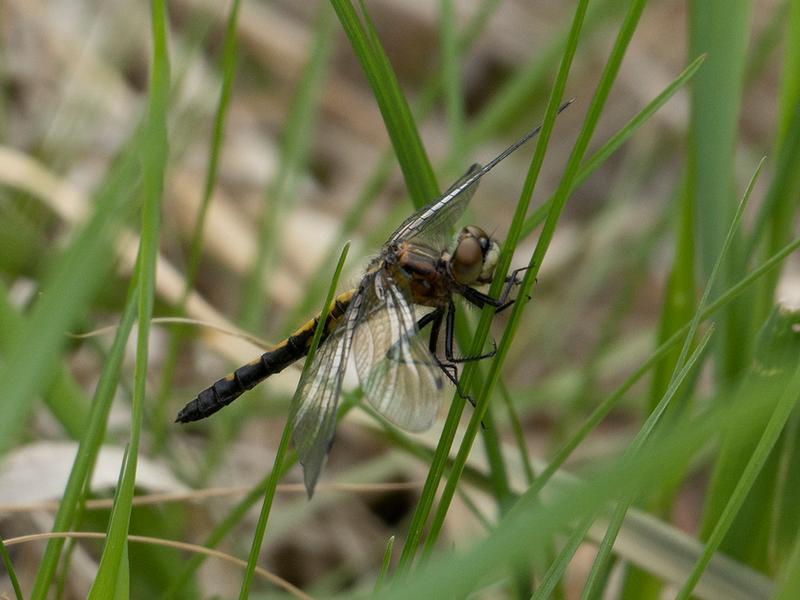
{"x":431,"y":225}
{"x":400,"y":377}
{"x":313,"y":416}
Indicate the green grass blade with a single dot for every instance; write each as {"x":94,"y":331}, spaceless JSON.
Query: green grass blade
{"x":414,"y":163}
{"x":528,"y":527}
{"x":88,"y":447}
{"x":12,"y":575}
{"x":272,"y":481}
{"x":778,"y":334}
{"x":65,"y":296}
{"x":787,"y":521}
{"x":684,"y":271}
{"x":565,"y":186}
{"x":294,"y":155}
{"x":387,"y":560}
{"x":228,"y":62}
{"x":790,"y":78}
{"x":719,"y":28}
{"x":519,"y":434}
{"x":600,"y":565}
{"x":790,"y":585}
{"x":679,"y":295}
{"x":772,"y":227}
{"x":555,"y":573}
{"x":154,"y":159}
{"x":453,"y":96}
{"x":443,"y":449}
{"x":613,"y":144}
{"x":62,"y":394}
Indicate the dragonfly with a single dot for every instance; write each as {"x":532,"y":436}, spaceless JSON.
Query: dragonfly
{"x":403,"y":376}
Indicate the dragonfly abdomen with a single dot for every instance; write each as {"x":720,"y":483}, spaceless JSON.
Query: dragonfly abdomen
{"x":224,"y":391}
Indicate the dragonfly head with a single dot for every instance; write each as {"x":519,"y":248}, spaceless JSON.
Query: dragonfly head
{"x":475,"y":256}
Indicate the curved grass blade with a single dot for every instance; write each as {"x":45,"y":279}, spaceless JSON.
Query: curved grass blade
{"x":612,"y":145}
{"x":293,"y":156}
{"x":720,"y":28}
{"x":565,"y":186}
{"x":63,"y":395}
{"x":387,"y":559}
{"x":530,"y":526}
{"x":783,"y":408}
{"x":228,"y":62}
{"x":272,"y":481}
{"x":602,"y":558}
{"x":790,"y":586}
{"x":411,"y":155}
{"x":12,"y":575}
{"x":155,"y":151}
{"x":88,"y":447}
{"x":448,"y":434}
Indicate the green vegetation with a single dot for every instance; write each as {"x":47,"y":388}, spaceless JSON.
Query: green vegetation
{"x":648,"y":389}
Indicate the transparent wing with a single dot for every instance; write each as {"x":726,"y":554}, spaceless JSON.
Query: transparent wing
{"x":313,"y":416}
{"x":399,"y":376}
{"x":431,"y":224}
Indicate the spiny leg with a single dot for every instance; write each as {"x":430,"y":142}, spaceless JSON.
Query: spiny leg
{"x":450,"y":334}
{"x":480,"y":299}
{"x":448,"y":368}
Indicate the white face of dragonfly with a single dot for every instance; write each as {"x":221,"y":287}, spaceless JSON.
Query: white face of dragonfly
{"x":475,"y":256}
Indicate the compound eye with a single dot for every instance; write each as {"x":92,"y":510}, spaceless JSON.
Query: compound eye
{"x":467,"y":261}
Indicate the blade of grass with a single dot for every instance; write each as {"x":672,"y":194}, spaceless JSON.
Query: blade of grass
{"x":228,"y":60}
{"x":387,"y":560}
{"x":781,"y":412}
{"x":603,"y":409}
{"x":66,"y":293}
{"x":682,"y":364}
{"x":88,"y":448}
{"x":558,"y":567}
{"x":530,"y":525}
{"x":541,"y":62}
{"x":519,"y":434}
{"x":720,"y":28}
{"x":494,"y":456}
{"x":414,"y":163}
{"x":619,"y":138}
{"x":790,"y":78}
{"x":448,"y":434}
{"x":564,"y":188}
{"x":294,"y":155}
{"x":155,"y":153}
{"x":453,"y":96}
{"x":62,"y":394}
{"x":12,"y":575}
{"x":272,"y":481}
{"x":790,"y":585}
{"x":599,"y":570}
{"x":773,"y":224}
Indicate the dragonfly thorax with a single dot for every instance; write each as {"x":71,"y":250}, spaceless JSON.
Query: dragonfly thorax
{"x":475,"y":256}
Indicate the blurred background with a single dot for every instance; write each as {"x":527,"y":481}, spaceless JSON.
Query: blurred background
{"x":304,"y":164}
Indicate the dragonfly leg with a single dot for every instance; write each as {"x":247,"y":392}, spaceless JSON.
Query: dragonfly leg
{"x":511,"y":281}
{"x":448,"y":340}
{"x":448,"y":368}
{"x":480,"y":299}
{"x":434,"y":317}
